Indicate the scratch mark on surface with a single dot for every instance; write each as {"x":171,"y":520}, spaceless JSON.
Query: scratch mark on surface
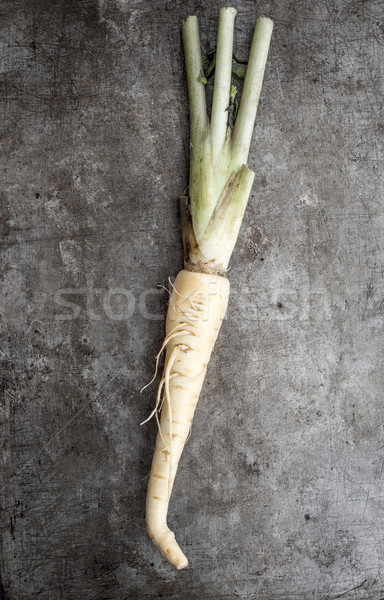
{"x":356,"y":587}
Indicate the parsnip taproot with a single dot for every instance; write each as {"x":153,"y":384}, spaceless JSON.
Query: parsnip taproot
{"x":197,"y":307}
{"x":211,"y":215}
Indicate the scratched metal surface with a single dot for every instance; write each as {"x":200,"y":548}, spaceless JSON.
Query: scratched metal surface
{"x":280,"y":493}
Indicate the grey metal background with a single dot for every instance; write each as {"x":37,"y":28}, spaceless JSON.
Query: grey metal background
{"x":280,"y":491}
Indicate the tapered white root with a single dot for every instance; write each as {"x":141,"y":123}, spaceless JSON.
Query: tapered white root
{"x":197,"y":307}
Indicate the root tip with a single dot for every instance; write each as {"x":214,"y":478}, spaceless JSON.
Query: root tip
{"x":183,"y":564}
{"x":170,"y":549}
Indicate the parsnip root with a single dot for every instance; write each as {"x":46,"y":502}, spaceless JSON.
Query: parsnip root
{"x":220,"y":184}
{"x":197,"y":307}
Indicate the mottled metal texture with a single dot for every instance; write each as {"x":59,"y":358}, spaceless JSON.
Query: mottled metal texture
{"x":280,"y":492}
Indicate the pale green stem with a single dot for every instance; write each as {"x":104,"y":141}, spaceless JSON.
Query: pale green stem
{"x":242,"y":131}
{"x":222,"y":84}
{"x":200,"y":178}
{"x":196,"y":90}
{"x":223,"y":228}
{"x":220,"y":182}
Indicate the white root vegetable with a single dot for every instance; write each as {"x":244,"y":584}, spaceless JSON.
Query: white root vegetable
{"x":198,"y":305}
{"x":219,"y":188}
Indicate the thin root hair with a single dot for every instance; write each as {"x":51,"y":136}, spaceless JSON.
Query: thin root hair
{"x":157,"y":357}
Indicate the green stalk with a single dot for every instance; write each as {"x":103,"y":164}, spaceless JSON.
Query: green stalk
{"x":243,"y":129}
{"x":222,"y":84}
{"x":220,"y":181}
{"x":201,"y":176}
{"x":199,"y":122}
{"x":223,"y":228}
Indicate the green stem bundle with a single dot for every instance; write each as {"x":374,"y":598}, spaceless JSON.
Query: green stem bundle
{"x":220,"y":182}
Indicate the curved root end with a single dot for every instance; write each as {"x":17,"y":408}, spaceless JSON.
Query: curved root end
{"x":170,"y":549}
